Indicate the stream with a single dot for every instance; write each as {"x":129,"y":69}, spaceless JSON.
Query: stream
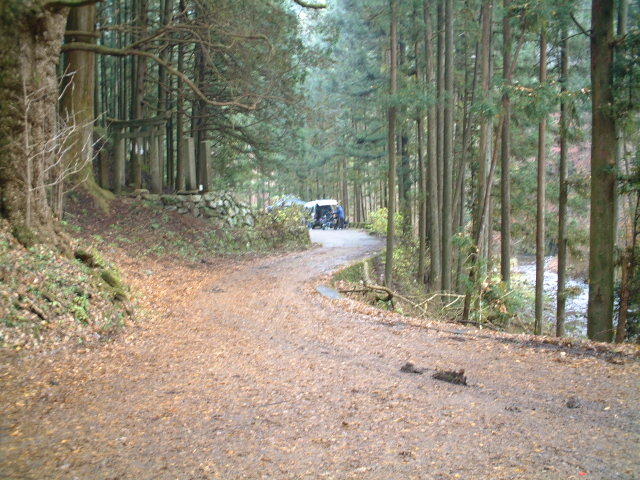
{"x":576,"y":309}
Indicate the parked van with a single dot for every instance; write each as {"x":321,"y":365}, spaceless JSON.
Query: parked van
{"x":321,"y":213}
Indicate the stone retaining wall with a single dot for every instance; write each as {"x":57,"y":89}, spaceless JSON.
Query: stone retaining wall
{"x":220,"y":207}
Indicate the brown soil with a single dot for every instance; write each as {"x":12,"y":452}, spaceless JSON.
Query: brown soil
{"x":140,"y":229}
{"x":247,"y":373}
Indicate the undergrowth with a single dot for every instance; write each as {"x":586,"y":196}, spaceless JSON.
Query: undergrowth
{"x":493,"y":305}
{"x":145,"y":229}
{"x":46,"y":298}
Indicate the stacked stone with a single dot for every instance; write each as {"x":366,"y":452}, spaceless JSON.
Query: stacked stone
{"x":220,"y":207}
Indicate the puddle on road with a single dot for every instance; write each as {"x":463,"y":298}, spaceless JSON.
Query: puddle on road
{"x":328,"y":292}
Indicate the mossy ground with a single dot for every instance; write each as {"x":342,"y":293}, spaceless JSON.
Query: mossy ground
{"x":145,"y":229}
{"x":48,"y":299}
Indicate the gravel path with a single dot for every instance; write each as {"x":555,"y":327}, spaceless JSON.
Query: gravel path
{"x":248,"y":373}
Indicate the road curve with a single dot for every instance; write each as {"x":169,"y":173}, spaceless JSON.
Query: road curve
{"x":251,"y":374}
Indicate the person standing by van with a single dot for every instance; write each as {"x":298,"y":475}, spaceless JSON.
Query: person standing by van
{"x":341,"y":217}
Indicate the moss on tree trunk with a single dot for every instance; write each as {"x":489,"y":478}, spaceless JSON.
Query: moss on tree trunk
{"x":30,"y":40}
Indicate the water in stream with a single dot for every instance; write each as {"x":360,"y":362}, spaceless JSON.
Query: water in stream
{"x":576,"y":318}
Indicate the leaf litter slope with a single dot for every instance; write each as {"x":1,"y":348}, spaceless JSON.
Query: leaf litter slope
{"x":248,"y":373}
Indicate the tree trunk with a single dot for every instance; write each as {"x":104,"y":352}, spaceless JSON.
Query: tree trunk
{"x":189,"y":154}
{"x":119,"y":162}
{"x":468,"y":94}
{"x":628,"y":272}
{"x":440,"y":107}
{"x":625,"y":295}
{"x":344,"y":188}
{"x":505,"y":155}
{"x":180,"y":114}
{"x":422,"y":200}
{"x":137,"y":99}
{"x":628,"y":260}
{"x":483,"y":157}
{"x":198,"y":120}
{"x":485,"y":124}
{"x":205,"y":149}
{"x":77,"y":107}
{"x":447,"y":174}
{"x":358,"y":214}
{"x":405,"y":185}
{"x":422,"y":178}
{"x":540,"y":230}
{"x":621,"y":31}
{"x":562,"y":201}
{"x":155,"y":166}
{"x":164,"y":87}
{"x":432,"y":161}
{"x":30,"y":41}
{"x":602,"y":236}
{"x":391,"y":145}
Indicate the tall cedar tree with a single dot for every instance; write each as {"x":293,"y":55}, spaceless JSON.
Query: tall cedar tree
{"x":542,"y":185}
{"x":562,"y":200}
{"x":603,"y":218}
{"x":505,"y":153}
{"x":391,"y":142}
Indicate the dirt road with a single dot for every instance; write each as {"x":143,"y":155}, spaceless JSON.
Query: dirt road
{"x":250,"y":374}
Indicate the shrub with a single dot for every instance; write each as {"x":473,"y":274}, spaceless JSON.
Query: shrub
{"x":377,"y":223}
{"x":282,"y":228}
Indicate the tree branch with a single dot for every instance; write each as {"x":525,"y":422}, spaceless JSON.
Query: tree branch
{"x":53,"y":4}
{"x":316,"y":6}
{"x":585,"y":32}
{"x":123,"y":52}
{"x":80,"y":34}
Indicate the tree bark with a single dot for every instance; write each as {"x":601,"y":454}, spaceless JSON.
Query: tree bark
{"x":164,"y":88}
{"x":344,"y":187}
{"x":447,"y":175}
{"x":483,"y":157}
{"x":119,"y":162}
{"x":485,"y":123}
{"x":562,"y":201}
{"x":440,"y":107}
{"x":405,"y":185}
{"x":422,"y":177}
{"x":540,"y":215}
{"x":391,"y":144}
{"x":198,"y":117}
{"x":422,"y":199}
{"x":155,"y":166}
{"x":602,"y":236}
{"x":180,"y":139}
{"x":30,"y":41}
{"x":432,"y":160}
{"x":621,"y":31}
{"x":77,"y":107}
{"x":138,"y":89}
{"x":505,"y":155}
{"x":628,"y":272}
{"x":628,"y":260}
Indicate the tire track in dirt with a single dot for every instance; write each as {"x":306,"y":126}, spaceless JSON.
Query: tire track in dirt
{"x":251,"y":375}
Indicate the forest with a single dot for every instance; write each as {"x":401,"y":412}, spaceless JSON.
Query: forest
{"x":476,"y":124}
{"x":168,"y":310}
{"x":481,"y":129}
